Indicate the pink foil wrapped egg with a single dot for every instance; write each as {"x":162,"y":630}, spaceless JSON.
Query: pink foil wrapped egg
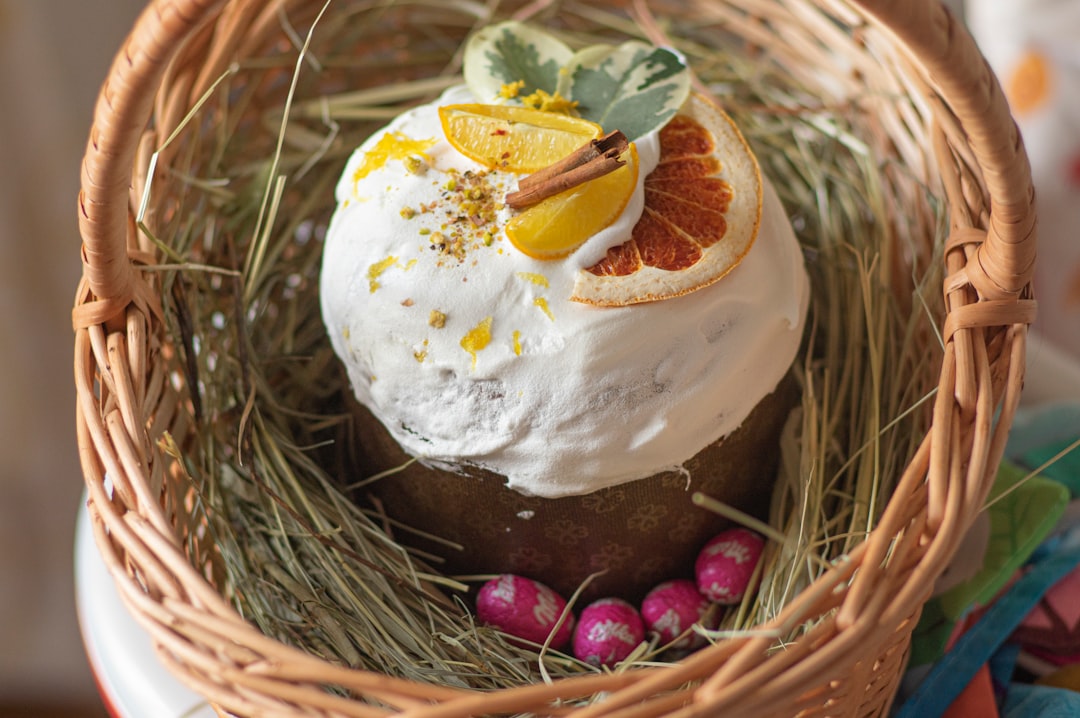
{"x":525,"y":609}
{"x":607,"y":632}
{"x":671,"y":609}
{"x":726,"y":565}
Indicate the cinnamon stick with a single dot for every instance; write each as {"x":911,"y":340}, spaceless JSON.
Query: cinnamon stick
{"x":593,"y":159}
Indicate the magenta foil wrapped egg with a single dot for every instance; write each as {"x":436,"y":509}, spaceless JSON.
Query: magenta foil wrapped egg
{"x":607,"y":632}
{"x":670,"y":609}
{"x":726,"y":564}
{"x":525,"y":609}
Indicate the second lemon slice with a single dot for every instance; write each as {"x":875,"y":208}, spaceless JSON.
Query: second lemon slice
{"x":516,"y":139}
{"x":560,"y":224}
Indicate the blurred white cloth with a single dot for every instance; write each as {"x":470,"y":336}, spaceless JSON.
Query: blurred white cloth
{"x":1034,"y":48}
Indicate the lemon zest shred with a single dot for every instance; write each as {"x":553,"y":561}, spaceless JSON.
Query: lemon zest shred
{"x":537,"y":279}
{"x":376,"y":270}
{"x":543,"y":305}
{"x":391,"y":146}
{"x":477,"y":339}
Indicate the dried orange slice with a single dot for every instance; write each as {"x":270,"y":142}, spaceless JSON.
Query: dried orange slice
{"x":561,"y":223}
{"x":516,"y":139}
{"x":702,"y":213}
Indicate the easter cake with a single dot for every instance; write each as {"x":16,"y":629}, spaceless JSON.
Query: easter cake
{"x":567,"y":301}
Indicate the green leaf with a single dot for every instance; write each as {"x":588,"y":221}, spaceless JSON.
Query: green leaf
{"x":512,"y":52}
{"x":1019,"y":521}
{"x":634,"y":87}
{"x":931,"y":635}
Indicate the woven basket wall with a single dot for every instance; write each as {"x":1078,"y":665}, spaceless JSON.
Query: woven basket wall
{"x":939,"y":110}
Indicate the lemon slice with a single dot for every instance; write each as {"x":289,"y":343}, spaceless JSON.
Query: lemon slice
{"x":560,"y":224}
{"x":516,"y":139}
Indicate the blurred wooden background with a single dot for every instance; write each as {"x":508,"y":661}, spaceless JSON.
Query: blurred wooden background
{"x":54,"y":55}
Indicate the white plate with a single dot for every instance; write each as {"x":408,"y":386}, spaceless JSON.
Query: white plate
{"x":132,"y":681}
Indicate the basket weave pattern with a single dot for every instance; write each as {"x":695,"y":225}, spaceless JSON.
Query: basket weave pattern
{"x":956,"y":132}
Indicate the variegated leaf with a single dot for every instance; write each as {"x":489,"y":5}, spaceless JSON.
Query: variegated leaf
{"x":634,"y":87}
{"x":511,"y":52}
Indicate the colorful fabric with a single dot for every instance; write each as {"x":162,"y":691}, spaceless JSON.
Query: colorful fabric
{"x":951,"y":675}
{"x":1026,"y":701}
{"x":1067,"y":677}
{"x":1025,"y":588}
{"x":977,"y":700}
{"x":1054,"y":624}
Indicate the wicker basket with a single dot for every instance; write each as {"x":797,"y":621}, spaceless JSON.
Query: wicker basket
{"x":952,"y":126}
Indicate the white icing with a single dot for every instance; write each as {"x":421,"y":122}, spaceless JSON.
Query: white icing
{"x":597,"y":396}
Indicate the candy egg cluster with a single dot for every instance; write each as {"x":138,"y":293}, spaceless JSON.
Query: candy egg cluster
{"x":610,"y":629}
